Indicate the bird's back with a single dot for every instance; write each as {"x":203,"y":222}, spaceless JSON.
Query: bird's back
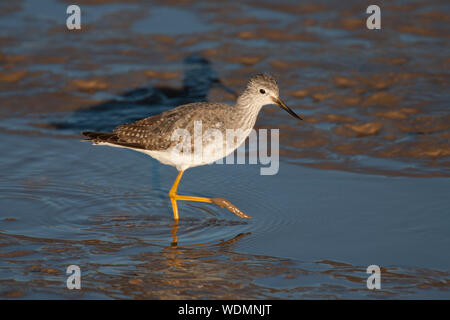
{"x":155,"y":132}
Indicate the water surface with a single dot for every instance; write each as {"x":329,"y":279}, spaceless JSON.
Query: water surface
{"x":363,"y":180}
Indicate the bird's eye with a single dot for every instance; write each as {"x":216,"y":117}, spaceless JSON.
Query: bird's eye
{"x":262,"y":91}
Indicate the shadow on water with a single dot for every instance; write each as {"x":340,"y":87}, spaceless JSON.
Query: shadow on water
{"x":138,"y":103}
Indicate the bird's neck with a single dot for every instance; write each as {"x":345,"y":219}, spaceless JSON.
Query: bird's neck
{"x":246,"y":111}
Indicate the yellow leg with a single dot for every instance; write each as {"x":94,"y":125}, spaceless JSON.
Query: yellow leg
{"x":219,"y":201}
{"x":174,"y":197}
{"x":173,"y":193}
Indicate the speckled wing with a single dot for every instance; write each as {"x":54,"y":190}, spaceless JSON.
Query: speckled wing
{"x":155,"y":133}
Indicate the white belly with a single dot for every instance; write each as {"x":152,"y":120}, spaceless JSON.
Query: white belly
{"x":210,"y":151}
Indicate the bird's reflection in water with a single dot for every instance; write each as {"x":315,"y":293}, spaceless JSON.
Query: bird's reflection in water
{"x":174,"y":234}
{"x":201,"y":264}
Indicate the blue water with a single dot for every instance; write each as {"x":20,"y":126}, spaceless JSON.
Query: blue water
{"x":335,"y":207}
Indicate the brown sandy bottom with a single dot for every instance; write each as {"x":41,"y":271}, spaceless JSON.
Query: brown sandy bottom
{"x":110,"y":215}
{"x":194,"y":272}
{"x":373,"y":102}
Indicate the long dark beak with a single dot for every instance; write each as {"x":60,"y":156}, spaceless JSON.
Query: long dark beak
{"x":280,"y":103}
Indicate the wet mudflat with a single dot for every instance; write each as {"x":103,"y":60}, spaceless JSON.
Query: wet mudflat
{"x":363,"y":180}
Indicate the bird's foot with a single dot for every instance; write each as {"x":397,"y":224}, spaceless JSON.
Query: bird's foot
{"x":221,"y":202}
{"x":224,"y":203}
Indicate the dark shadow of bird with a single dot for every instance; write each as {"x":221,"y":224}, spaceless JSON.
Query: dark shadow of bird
{"x":132,"y":105}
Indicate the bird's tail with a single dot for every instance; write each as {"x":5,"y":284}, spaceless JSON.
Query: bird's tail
{"x":110,"y":139}
{"x":97,"y":137}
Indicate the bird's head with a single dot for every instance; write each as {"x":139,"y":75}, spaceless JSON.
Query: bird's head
{"x":262,"y":90}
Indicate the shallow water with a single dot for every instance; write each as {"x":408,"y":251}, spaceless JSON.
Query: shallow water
{"x":363,"y":180}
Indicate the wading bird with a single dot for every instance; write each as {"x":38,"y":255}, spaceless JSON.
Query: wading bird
{"x":154,"y":135}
